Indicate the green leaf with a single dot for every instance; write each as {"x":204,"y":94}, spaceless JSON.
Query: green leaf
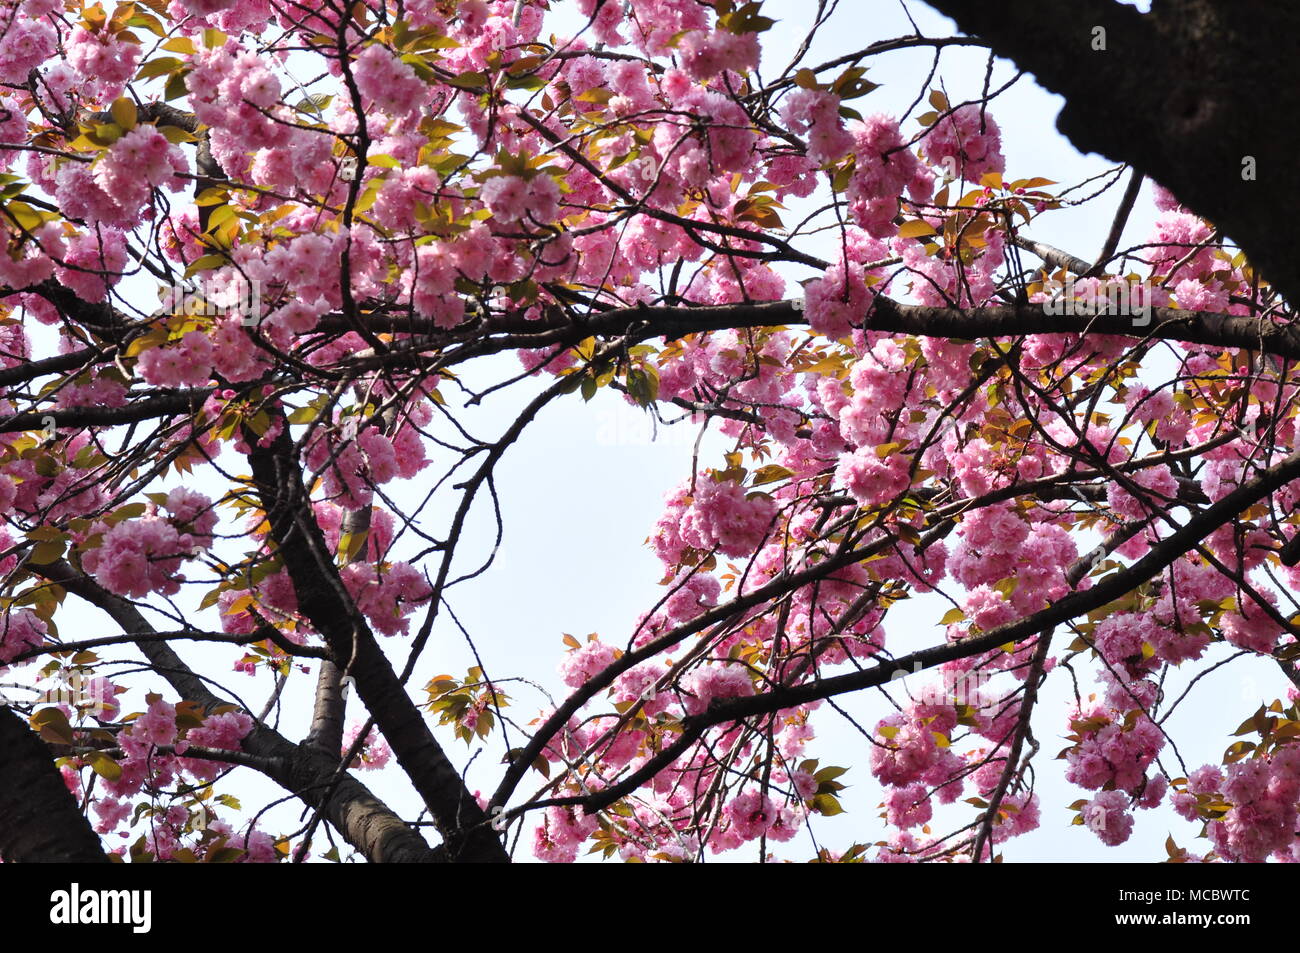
{"x":46,"y":466}
{"x":176,"y":135}
{"x":806,"y":79}
{"x":124,"y":113}
{"x":154,"y":338}
{"x":916,"y":228}
{"x":204,"y":263}
{"x":52,"y":725}
{"x":771,"y":474}
{"x":223,"y":855}
{"x":45,"y":553}
{"x":28,"y":218}
{"x":351,"y":544}
{"x":148,"y":22}
{"x":746,"y":20}
{"x":827,"y":805}
{"x":219,"y":216}
{"x":850,"y":84}
{"x":104,"y":766}
{"x":470,"y":82}
{"x":176,"y":87}
{"x":159,"y":67}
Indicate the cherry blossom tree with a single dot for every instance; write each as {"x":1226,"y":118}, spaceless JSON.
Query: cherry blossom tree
{"x":259,"y":255}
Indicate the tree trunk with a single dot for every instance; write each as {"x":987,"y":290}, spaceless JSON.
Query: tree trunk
{"x":1188,"y":94}
{"x":467,"y":836}
{"x":39,"y":820}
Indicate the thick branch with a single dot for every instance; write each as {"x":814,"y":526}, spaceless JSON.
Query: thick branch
{"x":1209,"y":81}
{"x":506,"y":332}
{"x":321,"y":598}
{"x":39,"y":819}
{"x":1160,"y":557}
{"x":183,"y":402}
{"x":364,"y":820}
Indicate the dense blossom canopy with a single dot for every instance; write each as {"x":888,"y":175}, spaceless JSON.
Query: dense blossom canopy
{"x":250,"y":245}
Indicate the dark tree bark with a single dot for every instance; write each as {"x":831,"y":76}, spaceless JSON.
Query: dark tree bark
{"x":308,"y":772}
{"x":1184,"y":94}
{"x":39,"y":820}
{"x":467,"y":836}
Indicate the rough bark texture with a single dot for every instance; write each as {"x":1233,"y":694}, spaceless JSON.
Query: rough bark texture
{"x":1184,"y":94}
{"x":39,"y":820}
{"x":364,"y":820}
{"x":467,"y":837}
